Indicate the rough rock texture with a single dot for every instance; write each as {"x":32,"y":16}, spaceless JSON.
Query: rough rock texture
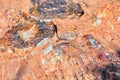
{"x":9,"y":12}
{"x":85,"y":48}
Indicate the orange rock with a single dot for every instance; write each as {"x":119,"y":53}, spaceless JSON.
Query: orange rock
{"x":28,"y":32}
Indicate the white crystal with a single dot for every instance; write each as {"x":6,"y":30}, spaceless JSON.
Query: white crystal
{"x":98,"y":22}
{"x":44,"y":41}
{"x":48,"y":49}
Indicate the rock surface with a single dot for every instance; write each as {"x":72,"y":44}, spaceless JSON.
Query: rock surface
{"x":86,"y":50}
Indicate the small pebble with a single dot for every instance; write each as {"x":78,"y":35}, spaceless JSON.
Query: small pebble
{"x":68,"y":35}
{"x":98,"y":22}
{"x":58,"y":51}
{"x":99,"y":46}
{"x":32,"y":53}
{"x":93,"y":42}
{"x":109,"y":56}
{"x":3,"y":49}
{"x":10,"y":51}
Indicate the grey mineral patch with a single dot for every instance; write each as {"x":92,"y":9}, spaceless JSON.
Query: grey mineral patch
{"x":58,"y":51}
{"x":68,"y":35}
{"x":39,"y":39}
{"x":49,"y":9}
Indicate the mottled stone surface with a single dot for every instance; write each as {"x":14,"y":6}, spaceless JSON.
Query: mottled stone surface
{"x":75,"y":57}
{"x":49,"y":9}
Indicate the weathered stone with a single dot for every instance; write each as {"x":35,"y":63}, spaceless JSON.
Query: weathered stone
{"x":58,"y":51}
{"x":56,"y":8}
{"x":68,"y":35}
